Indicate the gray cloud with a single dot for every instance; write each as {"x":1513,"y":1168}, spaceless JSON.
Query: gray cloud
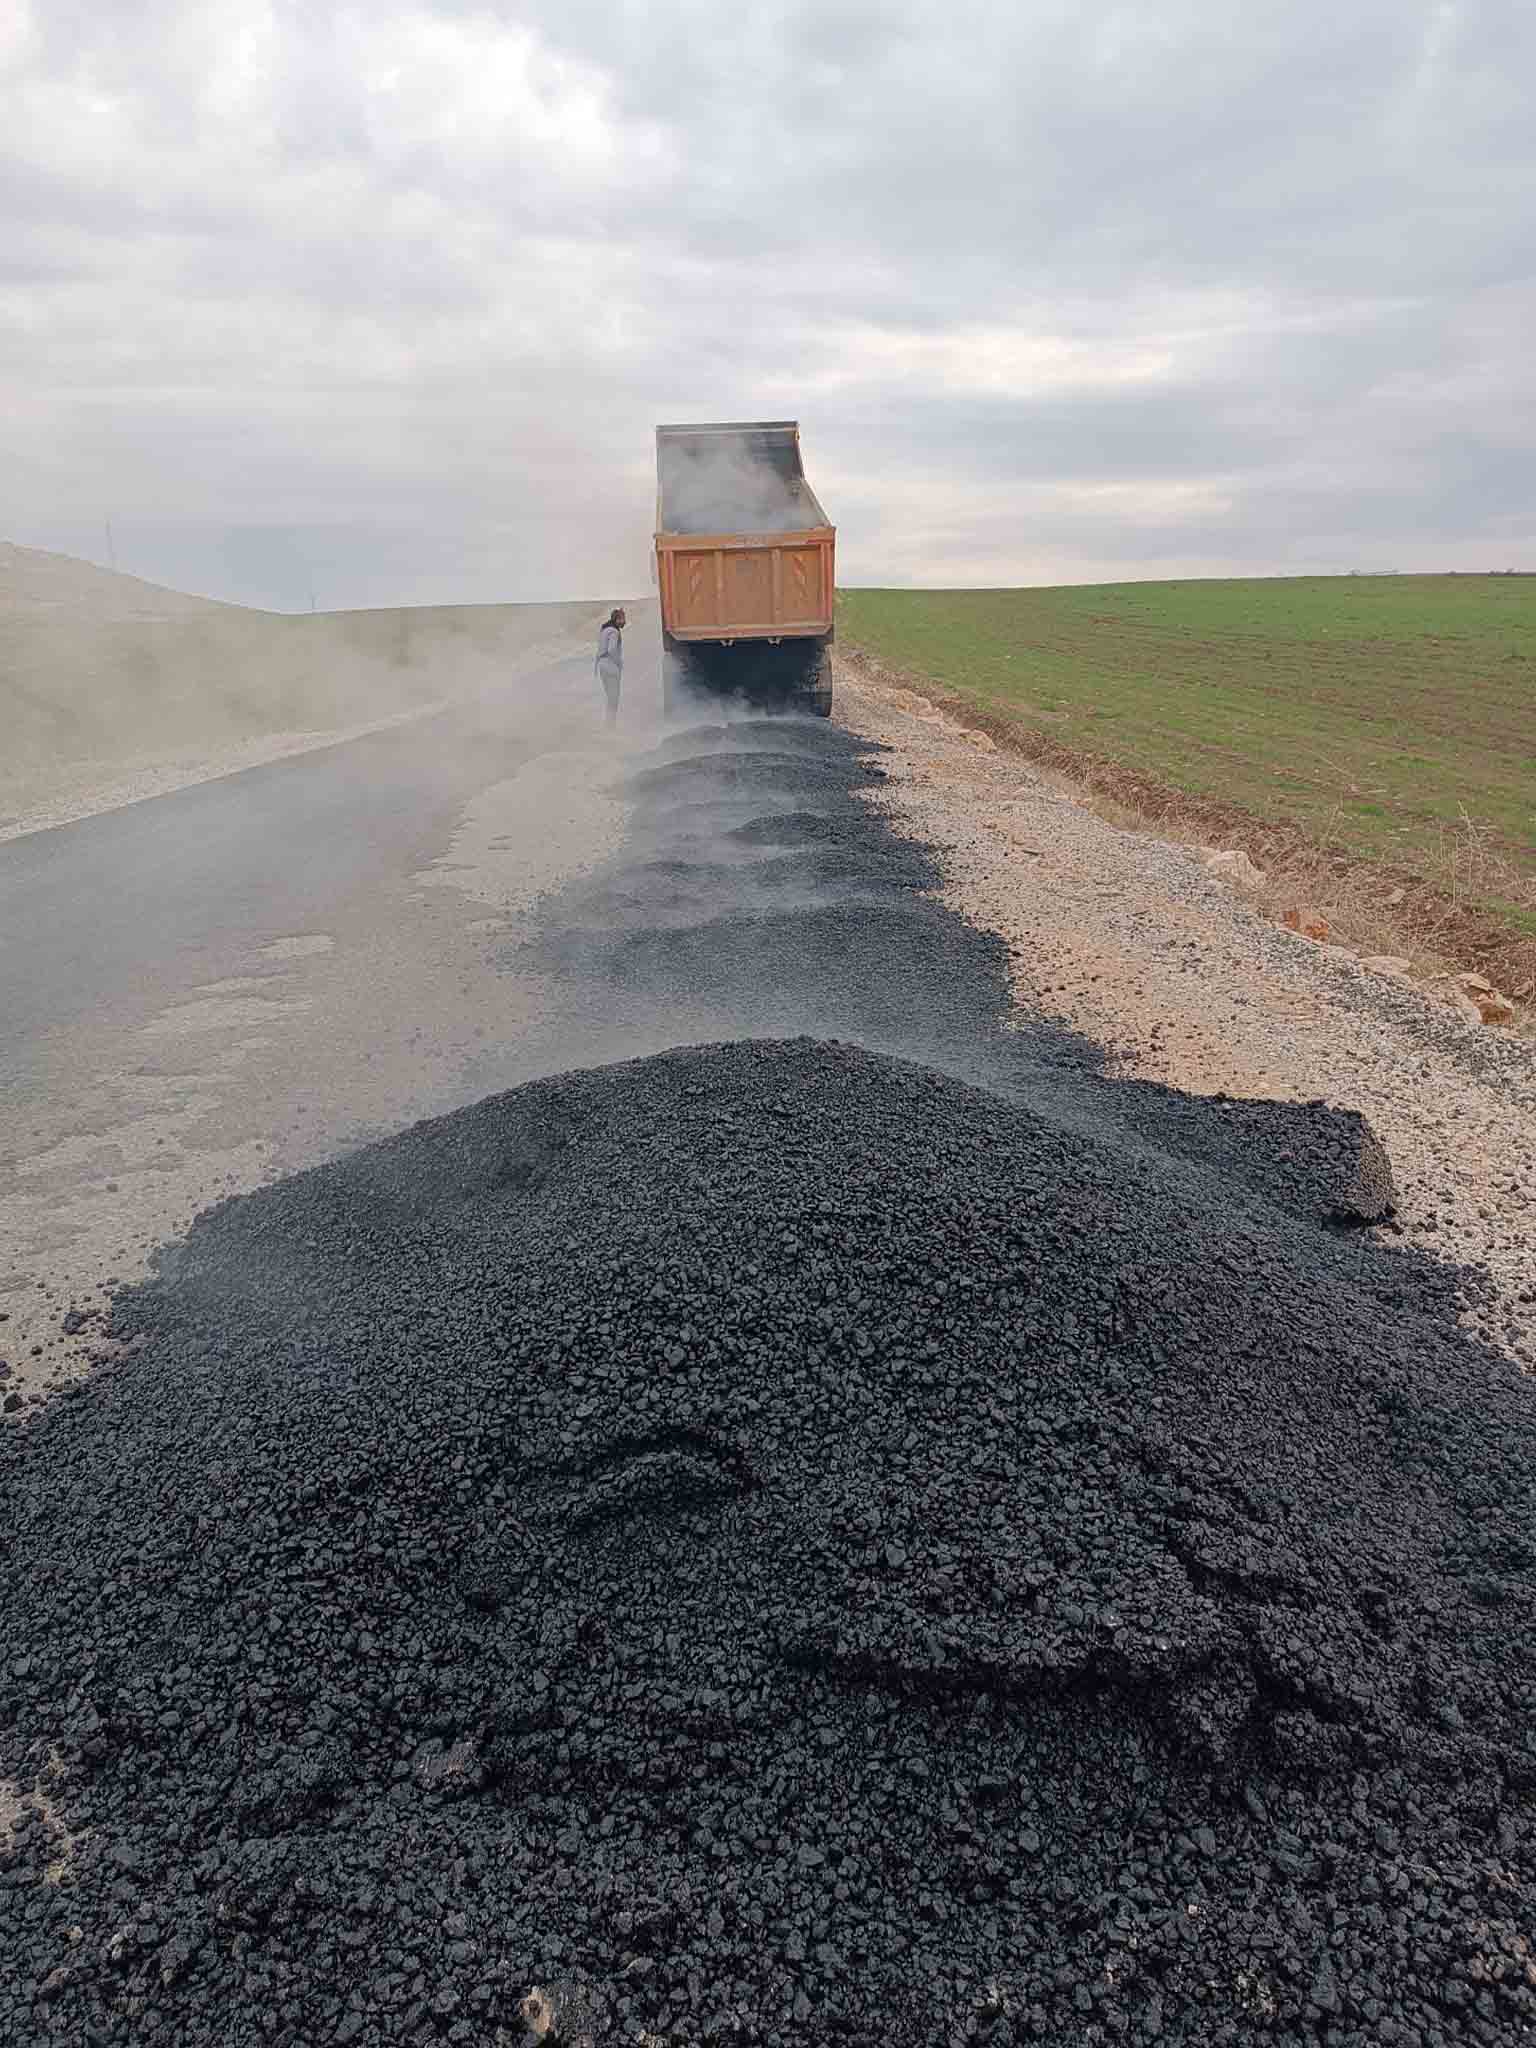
{"x":388,"y":297}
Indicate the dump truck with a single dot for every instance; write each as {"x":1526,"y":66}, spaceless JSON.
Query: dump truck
{"x":744,"y":567}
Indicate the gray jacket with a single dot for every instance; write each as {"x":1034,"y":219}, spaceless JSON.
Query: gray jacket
{"x":610,"y":654}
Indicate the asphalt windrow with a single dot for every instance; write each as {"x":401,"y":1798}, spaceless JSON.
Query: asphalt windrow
{"x":776,"y":1541}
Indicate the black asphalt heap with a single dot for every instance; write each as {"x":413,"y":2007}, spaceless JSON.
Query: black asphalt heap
{"x":760,"y":895}
{"x":772,"y":1543}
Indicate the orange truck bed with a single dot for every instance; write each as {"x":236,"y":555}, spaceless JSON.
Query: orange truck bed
{"x":744,"y":554}
{"x":732,"y":586}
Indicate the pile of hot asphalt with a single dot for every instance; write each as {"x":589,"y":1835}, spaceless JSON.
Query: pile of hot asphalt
{"x":772,"y":1542}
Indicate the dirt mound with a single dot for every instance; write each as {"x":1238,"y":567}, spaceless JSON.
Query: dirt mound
{"x":764,"y":1541}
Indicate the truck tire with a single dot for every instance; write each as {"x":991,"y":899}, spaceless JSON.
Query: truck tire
{"x":816,"y":698}
{"x":673,"y":685}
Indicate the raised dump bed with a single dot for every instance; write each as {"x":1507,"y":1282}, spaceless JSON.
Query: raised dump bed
{"x":745,"y":564}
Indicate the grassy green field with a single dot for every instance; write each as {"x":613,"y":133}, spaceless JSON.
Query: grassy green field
{"x":1377,"y":712}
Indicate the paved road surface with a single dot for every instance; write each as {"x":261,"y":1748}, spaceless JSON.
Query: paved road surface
{"x":108,"y":917}
{"x":206,"y":988}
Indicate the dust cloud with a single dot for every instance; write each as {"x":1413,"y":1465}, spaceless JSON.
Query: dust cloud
{"x":112,"y":689}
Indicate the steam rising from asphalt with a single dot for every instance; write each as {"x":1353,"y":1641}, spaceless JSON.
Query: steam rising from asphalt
{"x":717,"y":487}
{"x":758,"y":894}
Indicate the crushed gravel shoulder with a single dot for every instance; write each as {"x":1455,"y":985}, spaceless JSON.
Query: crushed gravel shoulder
{"x":1133,"y":942}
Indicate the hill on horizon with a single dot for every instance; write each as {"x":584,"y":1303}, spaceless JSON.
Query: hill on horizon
{"x":35,"y":582}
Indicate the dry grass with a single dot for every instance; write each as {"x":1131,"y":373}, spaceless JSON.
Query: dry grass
{"x":1437,"y":920}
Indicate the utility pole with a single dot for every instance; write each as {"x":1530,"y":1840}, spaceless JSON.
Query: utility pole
{"x":111,"y":545}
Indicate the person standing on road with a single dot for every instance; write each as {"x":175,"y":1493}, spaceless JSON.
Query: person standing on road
{"x":610,"y":660}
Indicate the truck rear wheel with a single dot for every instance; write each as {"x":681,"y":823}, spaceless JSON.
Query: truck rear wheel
{"x":816,"y":698}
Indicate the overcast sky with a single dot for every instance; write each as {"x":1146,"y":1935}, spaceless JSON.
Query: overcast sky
{"x":384,"y":300}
